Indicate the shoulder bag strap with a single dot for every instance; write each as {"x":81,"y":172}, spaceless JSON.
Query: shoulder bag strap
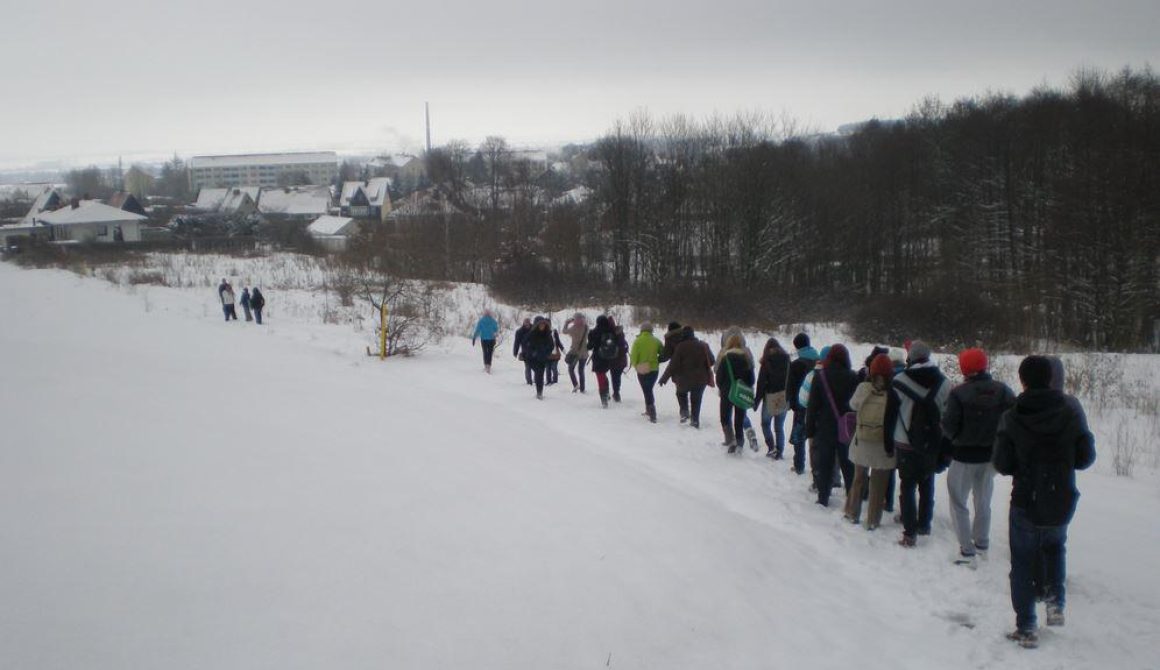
{"x":829,"y":396}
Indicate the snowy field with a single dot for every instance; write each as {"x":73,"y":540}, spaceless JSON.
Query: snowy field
{"x":176,"y":492}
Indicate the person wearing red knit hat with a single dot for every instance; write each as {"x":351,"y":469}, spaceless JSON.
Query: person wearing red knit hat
{"x":868,"y":452}
{"x":970,"y":422}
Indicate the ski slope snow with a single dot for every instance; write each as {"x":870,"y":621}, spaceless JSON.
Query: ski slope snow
{"x":178,"y":492}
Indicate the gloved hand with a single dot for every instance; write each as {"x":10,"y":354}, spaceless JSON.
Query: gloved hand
{"x":662,"y":382}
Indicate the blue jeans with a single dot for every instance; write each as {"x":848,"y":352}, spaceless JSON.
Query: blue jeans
{"x":1029,"y":544}
{"x":647,"y":382}
{"x":778,"y":427}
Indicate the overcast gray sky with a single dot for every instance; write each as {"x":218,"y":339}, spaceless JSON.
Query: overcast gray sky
{"x":87,"y":81}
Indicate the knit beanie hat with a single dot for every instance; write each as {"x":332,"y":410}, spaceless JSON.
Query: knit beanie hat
{"x":824,"y":353}
{"x":972,"y":362}
{"x":918,"y":352}
{"x":897,"y":356}
{"x":1035,"y":372}
{"x":801,"y":341}
{"x":646,"y":327}
{"x":880,"y":366}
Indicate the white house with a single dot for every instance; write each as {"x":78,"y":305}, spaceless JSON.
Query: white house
{"x":333,"y":232}
{"x":95,"y":222}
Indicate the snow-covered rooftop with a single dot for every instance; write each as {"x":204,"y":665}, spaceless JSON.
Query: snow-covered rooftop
{"x":312,"y":200}
{"x":95,"y":212}
{"x":210,"y":199}
{"x":329,"y":225}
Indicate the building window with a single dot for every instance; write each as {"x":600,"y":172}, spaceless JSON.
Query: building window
{"x":102,"y":231}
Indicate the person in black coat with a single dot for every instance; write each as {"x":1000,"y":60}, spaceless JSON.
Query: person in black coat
{"x":1041,"y":443}
{"x":735,"y":363}
{"x":834,"y":381}
{"x":538,"y":346}
{"x":518,"y":345}
{"x":604,"y":355}
{"x":257,"y":304}
{"x":772,"y":383}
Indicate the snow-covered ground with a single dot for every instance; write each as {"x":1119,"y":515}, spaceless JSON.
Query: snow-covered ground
{"x":177,"y":492}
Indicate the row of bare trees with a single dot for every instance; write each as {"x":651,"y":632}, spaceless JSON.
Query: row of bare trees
{"x":999,"y":218}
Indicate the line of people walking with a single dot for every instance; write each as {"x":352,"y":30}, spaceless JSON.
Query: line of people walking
{"x":897,"y":416}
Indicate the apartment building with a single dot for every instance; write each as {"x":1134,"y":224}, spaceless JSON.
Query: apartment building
{"x":263,"y":170}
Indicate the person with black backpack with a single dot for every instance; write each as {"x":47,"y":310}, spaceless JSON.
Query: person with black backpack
{"x":914,"y":408}
{"x":970,"y":421}
{"x":605,"y":348}
{"x":1040,"y":444}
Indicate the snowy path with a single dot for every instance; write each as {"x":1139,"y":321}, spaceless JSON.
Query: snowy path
{"x":180,"y":493}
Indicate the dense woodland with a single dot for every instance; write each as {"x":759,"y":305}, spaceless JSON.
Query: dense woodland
{"x":1002,"y":219}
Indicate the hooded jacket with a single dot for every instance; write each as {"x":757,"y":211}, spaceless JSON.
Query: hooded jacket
{"x":773,"y":376}
{"x":691,"y":365}
{"x":518,"y":342}
{"x":577,"y":330}
{"x":920,"y":378}
{"x":1046,"y":433}
{"x":740,"y":362}
{"x":485,"y":329}
{"x":594,"y":338}
{"x":646,"y":348}
{"x":807,"y":357}
{"x":538,"y":346}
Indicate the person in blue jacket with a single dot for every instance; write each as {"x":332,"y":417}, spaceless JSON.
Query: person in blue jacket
{"x":486,"y":330}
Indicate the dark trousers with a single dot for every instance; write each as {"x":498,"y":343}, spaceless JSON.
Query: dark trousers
{"x":230,"y":313}
{"x":732,"y":419}
{"x":797,"y":437}
{"x":827,"y":451}
{"x":616,"y":375}
{"x":690,"y":403}
{"x":246,"y":311}
{"x":537,"y":371}
{"x":528,"y":372}
{"x":916,"y":478}
{"x":1031,"y":544}
{"x":488,"y":347}
{"x":257,"y":315}
{"x":553,"y":371}
{"x":647,"y":382}
{"x":576,"y":372}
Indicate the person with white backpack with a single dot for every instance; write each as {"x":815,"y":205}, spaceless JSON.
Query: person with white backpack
{"x":872,"y":464}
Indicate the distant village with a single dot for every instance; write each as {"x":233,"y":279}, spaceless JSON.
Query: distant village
{"x":232,"y":196}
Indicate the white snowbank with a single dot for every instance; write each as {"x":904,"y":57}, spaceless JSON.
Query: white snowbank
{"x":178,"y":492}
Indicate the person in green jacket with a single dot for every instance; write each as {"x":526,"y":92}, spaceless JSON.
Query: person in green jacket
{"x":644,"y":358}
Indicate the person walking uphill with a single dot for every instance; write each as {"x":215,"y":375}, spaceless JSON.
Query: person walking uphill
{"x":486,"y":330}
{"x":807,"y":356}
{"x":644,"y":357}
{"x":830,"y":394}
{"x":605,"y":347}
{"x":245,"y":303}
{"x":914,"y":412}
{"x":970,"y":423}
{"x":1040,"y":444}
{"x":576,"y":357}
{"x":620,"y":363}
{"x":868,"y":451}
{"x":734,"y":364}
{"x":518,"y":345}
{"x":691,"y":369}
{"x":538,"y":346}
{"x":257,"y":303}
{"x":770,"y":396}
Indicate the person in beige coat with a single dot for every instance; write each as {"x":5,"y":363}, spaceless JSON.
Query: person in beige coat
{"x":868,"y":451}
